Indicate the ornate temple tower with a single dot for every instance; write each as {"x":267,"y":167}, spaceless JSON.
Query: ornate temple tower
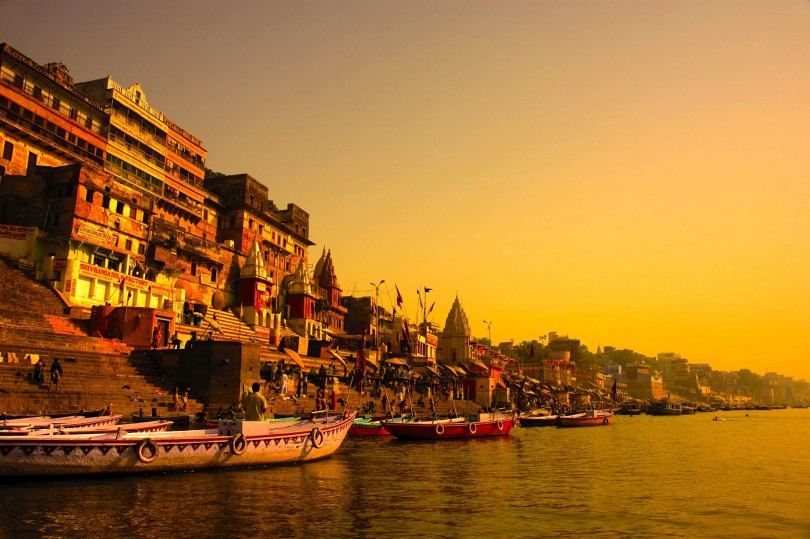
{"x":326,"y":279}
{"x":301,"y":304}
{"x":255,"y":290}
{"x":454,"y":342}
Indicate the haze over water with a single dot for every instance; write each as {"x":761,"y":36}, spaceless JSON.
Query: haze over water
{"x":744,"y":475}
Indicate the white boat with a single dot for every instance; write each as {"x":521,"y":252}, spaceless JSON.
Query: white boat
{"x":67,"y":422}
{"x":91,"y":430}
{"x":232,"y":444}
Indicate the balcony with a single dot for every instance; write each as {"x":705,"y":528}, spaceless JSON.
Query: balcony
{"x":28,"y":88}
{"x":29,"y":130}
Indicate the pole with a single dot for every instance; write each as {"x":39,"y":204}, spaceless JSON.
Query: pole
{"x":377,"y":316}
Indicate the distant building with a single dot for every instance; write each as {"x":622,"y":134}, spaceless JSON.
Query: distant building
{"x":642,"y":383}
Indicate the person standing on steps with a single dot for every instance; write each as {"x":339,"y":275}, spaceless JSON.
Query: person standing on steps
{"x":157,"y":336}
{"x":56,"y":373}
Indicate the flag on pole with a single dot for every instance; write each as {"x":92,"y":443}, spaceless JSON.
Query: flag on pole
{"x":431,"y":307}
{"x":420,"y":298}
{"x":399,"y":297}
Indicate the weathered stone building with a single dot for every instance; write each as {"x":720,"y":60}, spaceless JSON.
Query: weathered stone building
{"x":122,"y":214}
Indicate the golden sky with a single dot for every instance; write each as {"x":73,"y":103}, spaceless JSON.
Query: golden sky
{"x":628,"y":173}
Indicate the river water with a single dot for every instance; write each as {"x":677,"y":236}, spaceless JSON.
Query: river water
{"x":745,"y":475}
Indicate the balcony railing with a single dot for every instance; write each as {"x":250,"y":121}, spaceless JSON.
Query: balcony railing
{"x":38,"y":133}
{"x":62,"y":108}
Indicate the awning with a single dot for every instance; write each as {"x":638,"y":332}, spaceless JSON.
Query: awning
{"x":455,"y":369}
{"x":425,"y":369}
{"x":479,"y":364}
{"x":338,"y":357}
{"x":292,"y":354}
{"x":396,"y":361}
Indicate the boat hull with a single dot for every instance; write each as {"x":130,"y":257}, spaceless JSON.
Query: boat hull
{"x":538,"y":421}
{"x":445,"y":429}
{"x":368,"y":427}
{"x":585,"y":420}
{"x":232,"y":445}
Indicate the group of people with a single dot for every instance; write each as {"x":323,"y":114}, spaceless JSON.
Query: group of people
{"x":56,"y":373}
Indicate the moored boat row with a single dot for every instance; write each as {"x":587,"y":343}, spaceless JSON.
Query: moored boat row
{"x":231,"y":444}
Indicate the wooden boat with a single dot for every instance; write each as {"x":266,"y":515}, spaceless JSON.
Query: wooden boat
{"x":588,"y":418}
{"x":281,"y":419}
{"x":67,"y":422}
{"x":232,"y":444}
{"x":179,"y":420}
{"x":473,"y":426}
{"x":664,"y":407}
{"x":549,"y":420}
{"x":151,"y":426}
{"x":629,"y":408}
{"x":367,"y":426}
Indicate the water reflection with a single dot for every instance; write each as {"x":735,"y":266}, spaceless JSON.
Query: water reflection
{"x":639,"y":477}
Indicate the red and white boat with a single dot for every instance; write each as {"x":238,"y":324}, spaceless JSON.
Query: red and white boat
{"x":588,"y":418}
{"x":473,"y":426}
{"x":231,"y":444}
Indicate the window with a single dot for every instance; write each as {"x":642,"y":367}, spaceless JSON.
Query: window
{"x":56,"y":103}
{"x":119,"y":207}
{"x":141,"y":250}
{"x":74,"y":114}
{"x":37,"y":92}
{"x":128,"y":245}
{"x":194,"y":268}
{"x":88,"y":197}
{"x":213,"y":275}
{"x":8,"y":151}
{"x":105,"y":202}
{"x":32,"y":159}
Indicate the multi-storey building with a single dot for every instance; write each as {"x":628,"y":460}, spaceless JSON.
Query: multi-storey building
{"x":44,"y":118}
{"x":135,"y":222}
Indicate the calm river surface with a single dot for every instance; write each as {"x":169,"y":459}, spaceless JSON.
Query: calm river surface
{"x":689,"y":476}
